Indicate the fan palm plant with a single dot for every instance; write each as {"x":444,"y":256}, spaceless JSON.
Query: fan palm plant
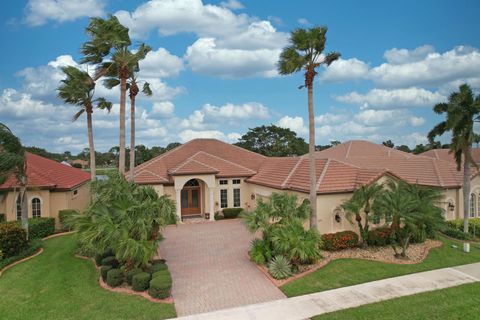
{"x":13,"y":163}
{"x":361,"y":202}
{"x":306,"y":52}
{"x":78,"y":89}
{"x":461,"y":111}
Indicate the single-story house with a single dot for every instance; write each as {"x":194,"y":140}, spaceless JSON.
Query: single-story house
{"x":204,"y":176}
{"x":52,"y":187}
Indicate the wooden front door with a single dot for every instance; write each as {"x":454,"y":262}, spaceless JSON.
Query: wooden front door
{"x":191,"y":201}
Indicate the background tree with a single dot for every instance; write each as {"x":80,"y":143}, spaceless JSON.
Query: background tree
{"x":305,"y":51}
{"x":79,"y":89}
{"x":334,"y":143}
{"x":273,"y":141}
{"x":388,"y":143}
{"x":461,"y":111}
{"x":13,"y":163}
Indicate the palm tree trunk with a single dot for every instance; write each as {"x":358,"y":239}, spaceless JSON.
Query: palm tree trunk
{"x":311,"y":158}
{"x":123,"y":93}
{"x":132,"y":137}
{"x":91,"y":146}
{"x":466,"y":188}
{"x":24,"y":204}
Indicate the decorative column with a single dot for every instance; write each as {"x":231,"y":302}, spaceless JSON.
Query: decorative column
{"x":212,"y":204}
{"x":178,"y":203}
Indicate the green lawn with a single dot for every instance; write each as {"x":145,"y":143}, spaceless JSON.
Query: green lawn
{"x":347,"y":272}
{"x":58,"y":285}
{"x":103,"y":170}
{"x":460,"y":302}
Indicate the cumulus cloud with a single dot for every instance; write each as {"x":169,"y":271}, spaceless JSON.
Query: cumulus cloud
{"x":395,"y":118}
{"x":342,"y":70}
{"x":330,"y":118}
{"x":232,"y":111}
{"x":38,"y":12}
{"x":402,"y":56}
{"x":293,"y":123}
{"x":188,"y":135}
{"x":232,"y":4}
{"x":163,"y":109}
{"x":303,"y":21}
{"x":392,"y":99}
{"x":160,"y":63}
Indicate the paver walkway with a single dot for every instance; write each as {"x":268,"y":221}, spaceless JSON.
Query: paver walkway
{"x":210,"y":269}
{"x":304,"y":307}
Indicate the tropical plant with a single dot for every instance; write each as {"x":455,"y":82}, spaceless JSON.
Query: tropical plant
{"x":411,"y":209}
{"x":359,"y":205}
{"x":13,"y":164}
{"x":279,"y":267}
{"x":461,"y":111}
{"x":79,"y":89}
{"x":125,"y":218}
{"x":305,"y":51}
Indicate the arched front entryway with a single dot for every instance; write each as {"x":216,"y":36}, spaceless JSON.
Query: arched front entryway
{"x":191,"y":198}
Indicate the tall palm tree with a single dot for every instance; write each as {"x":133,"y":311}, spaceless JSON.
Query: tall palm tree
{"x":461,"y":111}
{"x":109,"y":38}
{"x":79,"y":89}
{"x":306,"y":52}
{"x":13,"y":162}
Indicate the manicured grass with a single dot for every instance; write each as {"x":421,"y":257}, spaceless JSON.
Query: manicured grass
{"x":58,"y":285}
{"x":103,"y":170}
{"x":453,"y":303}
{"x":347,"y":272}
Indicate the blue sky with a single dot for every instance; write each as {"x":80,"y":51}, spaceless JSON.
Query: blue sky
{"x":212,"y":68}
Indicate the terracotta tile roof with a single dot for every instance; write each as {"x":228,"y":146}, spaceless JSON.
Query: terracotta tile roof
{"x":46,"y":173}
{"x":444,"y":154}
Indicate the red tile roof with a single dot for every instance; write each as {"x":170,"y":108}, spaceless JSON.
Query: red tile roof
{"x":444,"y":154}
{"x":46,"y":173}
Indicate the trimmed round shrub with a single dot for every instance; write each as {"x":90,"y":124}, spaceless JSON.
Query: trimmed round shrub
{"x":115,"y":277}
{"x":131,"y":274}
{"x":340,"y":240}
{"x":279,"y":267}
{"x":140,"y":281}
{"x":110,"y":261}
{"x":379,"y":237}
{"x":13,"y":239}
{"x":157,"y":267}
{"x":100,"y":256}
{"x":160,"y":287}
{"x":103,"y":272}
{"x":231,"y":213}
{"x":162,"y":273}
{"x":40,"y":227}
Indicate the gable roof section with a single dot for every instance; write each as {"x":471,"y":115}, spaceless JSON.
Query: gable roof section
{"x":444,"y":154}
{"x":46,"y":173}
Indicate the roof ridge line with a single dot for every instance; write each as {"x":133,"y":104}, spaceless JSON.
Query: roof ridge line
{"x":193,"y":160}
{"x":437,"y":172}
{"x":348,"y":149}
{"x":184,"y":162}
{"x":322,"y":175}
{"x":161,"y":156}
{"x":289,"y":176}
{"x":156,"y":175}
{"x":233,"y":163}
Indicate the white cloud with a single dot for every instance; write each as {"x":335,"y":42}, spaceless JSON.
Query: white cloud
{"x":188,"y":135}
{"x":258,"y":35}
{"x":303,"y":21}
{"x":342,"y":70}
{"x":392,"y":99}
{"x":293,"y":123}
{"x":391,"y":118}
{"x":231,"y":111}
{"x":160,"y":64}
{"x":38,"y":12}
{"x":403,"y":56}
{"x":329,"y":118}
{"x":232,"y":4}
{"x":163,"y":109}
{"x":417,"y":121}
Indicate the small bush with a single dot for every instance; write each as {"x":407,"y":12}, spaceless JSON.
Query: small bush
{"x":231,"y":213}
{"x":157,"y":267}
{"x":34,"y":246}
{"x":140,"y":281}
{"x":473,"y":225}
{"x":115,"y":277}
{"x":131,"y":274}
{"x":64,"y":218}
{"x":379,"y":237}
{"x":340,"y":240}
{"x":40,"y":227}
{"x":77,"y":165}
{"x":110,"y":261}
{"x":279,"y":267}
{"x":457,"y":234}
{"x":419,"y":236}
{"x":259,"y":252}
{"x":162,"y":273}
{"x":2,"y":217}
{"x":103,"y":272}
{"x":100,"y":256}
{"x":218,"y":216}
{"x":160,"y":286}
{"x":13,"y":239}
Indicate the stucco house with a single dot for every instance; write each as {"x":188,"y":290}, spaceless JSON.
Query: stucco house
{"x":52,"y":187}
{"x":206,"y":175}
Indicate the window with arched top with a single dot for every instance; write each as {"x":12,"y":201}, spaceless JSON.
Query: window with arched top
{"x":192,"y":183}
{"x":19,"y":208}
{"x":36,"y":208}
{"x":473,"y":204}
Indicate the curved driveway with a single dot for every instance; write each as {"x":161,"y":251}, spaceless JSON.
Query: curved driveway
{"x":210,"y":268}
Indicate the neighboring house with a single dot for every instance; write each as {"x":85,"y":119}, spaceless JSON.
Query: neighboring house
{"x":52,"y":187}
{"x":83,"y":163}
{"x":206,"y":175}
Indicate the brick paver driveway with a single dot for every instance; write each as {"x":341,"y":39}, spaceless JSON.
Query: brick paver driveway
{"x":210,"y":268}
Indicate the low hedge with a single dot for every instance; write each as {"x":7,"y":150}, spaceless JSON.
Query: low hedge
{"x":3,"y":217}
{"x":473,"y":225}
{"x":63,"y":218}
{"x":141,"y":281}
{"x":13,"y":239}
{"x":457,"y":234}
{"x":100,"y":256}
{"x":30,"y":250}
{"x":40,"y":227}
{"x":103,"y":272}
{"x":131,"y":274}
{"x":110,"y":261}
{"x":339,"y":240}
{"x":157,"y":267}
{"x":231,"y":213}
{"x":115,"y":277}
{"x":379,"y":237}
{"x":160,"y":285}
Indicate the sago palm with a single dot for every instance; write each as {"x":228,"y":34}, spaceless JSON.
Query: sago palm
{"x":13,"y":163}
{"x":305,"y":52}
{"x":461,"y":112}
{"x":78,"y":89}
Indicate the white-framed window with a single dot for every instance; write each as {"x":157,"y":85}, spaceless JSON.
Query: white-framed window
{"x":223,"y":198}
{"x":223,"y":182}
{"x":473,"y":207}
{"x":19,"y":208}
{"x":236,"y":181}
{"x":36,"y":208}
{"x":236,"y":197}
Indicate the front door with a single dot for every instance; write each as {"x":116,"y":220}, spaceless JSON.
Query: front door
{"x":191,"y":201}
